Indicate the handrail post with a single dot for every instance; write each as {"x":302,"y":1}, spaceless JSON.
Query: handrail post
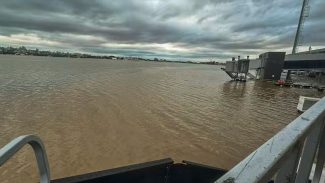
{"x":320,"y":159}
{"x":287,"y":173}
{"x":15,"y":145}
{"x":308,"y":155}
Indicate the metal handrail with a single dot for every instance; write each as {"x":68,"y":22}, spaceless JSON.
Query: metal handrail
{"x":289,"y":155}
{"x":15,"y":145}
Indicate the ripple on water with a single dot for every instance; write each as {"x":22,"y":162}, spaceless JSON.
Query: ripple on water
{"x":134,"y":112}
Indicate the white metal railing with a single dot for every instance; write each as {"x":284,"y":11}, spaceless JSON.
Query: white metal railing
{"x":289,"y":155}
{"x":15,"y":145}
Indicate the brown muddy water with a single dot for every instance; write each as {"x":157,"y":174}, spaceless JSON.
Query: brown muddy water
{"x":99,"y":114}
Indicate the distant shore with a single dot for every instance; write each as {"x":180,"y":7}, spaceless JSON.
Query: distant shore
{"x":22,"y":50}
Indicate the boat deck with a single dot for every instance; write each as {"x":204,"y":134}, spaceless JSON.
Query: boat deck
{"x":160,"y":171}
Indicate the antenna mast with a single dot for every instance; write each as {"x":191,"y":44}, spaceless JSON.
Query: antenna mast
{"x":303,"y":15}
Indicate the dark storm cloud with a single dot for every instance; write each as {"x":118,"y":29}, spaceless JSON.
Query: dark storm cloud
{"x":183,"y":29}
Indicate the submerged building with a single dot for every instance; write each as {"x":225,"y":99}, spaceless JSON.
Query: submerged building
{"x":237,"y":70}
{"x":270,"y":65}
{"x":310,"y":60}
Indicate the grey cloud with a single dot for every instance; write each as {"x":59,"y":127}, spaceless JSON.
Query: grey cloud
{"x":223,"y":27}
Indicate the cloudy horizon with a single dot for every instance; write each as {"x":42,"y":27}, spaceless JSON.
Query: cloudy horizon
{"x":197,"y":30}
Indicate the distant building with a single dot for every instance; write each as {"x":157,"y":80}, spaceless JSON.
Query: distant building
{"x":309,"y":60}
{"x":268,"y":66}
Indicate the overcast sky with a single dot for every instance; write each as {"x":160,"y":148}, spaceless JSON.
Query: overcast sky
{"x":172,"y":29}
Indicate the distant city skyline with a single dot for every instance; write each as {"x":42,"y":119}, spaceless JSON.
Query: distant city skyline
{"x":198,"y":30}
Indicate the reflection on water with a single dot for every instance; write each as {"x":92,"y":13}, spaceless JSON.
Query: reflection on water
{"x":99,"y":114}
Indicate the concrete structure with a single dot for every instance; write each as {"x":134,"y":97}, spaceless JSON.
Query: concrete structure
{"x":306,"y":61}
{"x":268,"y":66}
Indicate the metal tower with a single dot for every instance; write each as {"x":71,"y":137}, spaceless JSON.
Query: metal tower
{"x":303,"y":15}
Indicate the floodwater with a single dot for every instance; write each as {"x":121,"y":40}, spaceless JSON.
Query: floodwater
{"x":99,"y":114}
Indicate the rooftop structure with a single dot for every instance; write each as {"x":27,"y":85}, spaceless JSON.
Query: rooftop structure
{"x":309,"y":60}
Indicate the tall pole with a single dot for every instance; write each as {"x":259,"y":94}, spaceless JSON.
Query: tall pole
{"x":300,"y":26}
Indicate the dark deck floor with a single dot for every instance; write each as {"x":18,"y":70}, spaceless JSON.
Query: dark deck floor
{"x":160,"y":171}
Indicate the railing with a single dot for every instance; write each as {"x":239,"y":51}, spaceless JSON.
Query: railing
{"x":15,"y":145}
{"x":289,"y":155}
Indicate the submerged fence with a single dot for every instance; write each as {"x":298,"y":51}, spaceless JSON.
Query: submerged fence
{"x":289,"y":155}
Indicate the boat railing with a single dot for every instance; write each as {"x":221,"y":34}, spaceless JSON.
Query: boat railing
{"x":289,"y":155}
{"x":15,"y":145}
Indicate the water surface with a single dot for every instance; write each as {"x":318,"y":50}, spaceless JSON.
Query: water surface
{"x":99,"y":114}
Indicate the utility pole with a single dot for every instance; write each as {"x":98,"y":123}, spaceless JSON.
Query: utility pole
{"x":303,"y":15}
